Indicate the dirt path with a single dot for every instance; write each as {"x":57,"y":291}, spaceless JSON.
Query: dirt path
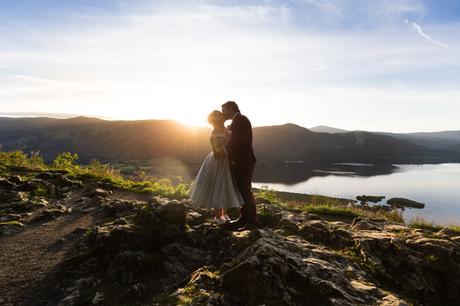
{"x":29,"y":259}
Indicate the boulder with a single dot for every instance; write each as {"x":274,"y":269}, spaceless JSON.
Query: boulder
{"x":57,"y":178}
{"x":10,"y":227}
{"x":446,"y":233}
{"x":194,"y":218}
{"x":402,"y":202}
{"x":6,"y":184}
{"x":268,"y":214}
{"x":38,"y":186}
{"x":15,"y":179}
{"x":173,"y":213}
{"x":198,"y":289}
{"x":323,"y":232}
{"x":359,"y":224}
{"x":159,"y":225}
{"x":99,"y":192}
{"x":369,"y":198}
{"x":10,"y":217}
{"x":12,"y":196}
{"x":49,"y":214}
{"x":116,"y":207}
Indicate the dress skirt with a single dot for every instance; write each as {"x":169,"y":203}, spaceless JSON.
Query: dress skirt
{"x":214,"y":187}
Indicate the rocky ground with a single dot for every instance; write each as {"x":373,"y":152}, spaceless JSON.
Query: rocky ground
{"x":67,"y":242}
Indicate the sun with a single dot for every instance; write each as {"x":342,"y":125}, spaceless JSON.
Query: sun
{"x":196,"y":121}
{"x":191,"y":116}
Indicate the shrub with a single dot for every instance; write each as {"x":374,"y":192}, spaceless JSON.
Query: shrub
{"x":268,"y":194}
{"x":19,"y":159}
{"x":15,"y":158}
{"x":66,"y":161}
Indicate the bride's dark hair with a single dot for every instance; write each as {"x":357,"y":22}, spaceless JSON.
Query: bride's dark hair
{"x":215,"y":116}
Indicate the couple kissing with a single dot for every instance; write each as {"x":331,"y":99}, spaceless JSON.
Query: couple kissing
{"x":224,"y":179}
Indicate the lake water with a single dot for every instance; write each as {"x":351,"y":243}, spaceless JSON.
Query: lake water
{"x":438,"y":186}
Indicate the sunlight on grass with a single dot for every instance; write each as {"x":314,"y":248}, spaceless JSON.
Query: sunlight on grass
{"x":421,"y":223}
{"x":323,"y":205}
{"x":94,"y":171}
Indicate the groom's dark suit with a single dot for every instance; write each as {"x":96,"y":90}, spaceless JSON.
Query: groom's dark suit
{"x":242,"y":161}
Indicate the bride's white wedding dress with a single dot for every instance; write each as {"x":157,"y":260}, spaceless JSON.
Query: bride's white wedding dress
{"x":214,"y":187}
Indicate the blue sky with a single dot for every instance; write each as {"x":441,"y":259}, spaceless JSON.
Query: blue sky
{"x":363,"y":64}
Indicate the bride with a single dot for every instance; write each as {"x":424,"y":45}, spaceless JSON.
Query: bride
{"x":214,"y":186}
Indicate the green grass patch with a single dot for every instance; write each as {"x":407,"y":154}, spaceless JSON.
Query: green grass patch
{"x":420,"y":223}
{"x":340,"y":210}
{"x":331,"y":210}
{"x":95,"y":171}
{"x":323,"y":205}
{"x":275,"y":196}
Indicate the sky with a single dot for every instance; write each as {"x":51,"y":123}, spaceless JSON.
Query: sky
{"x":358,"y":65}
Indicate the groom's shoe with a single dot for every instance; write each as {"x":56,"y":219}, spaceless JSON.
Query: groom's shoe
{"x":234,"y":225}
{"x":249,"y":226}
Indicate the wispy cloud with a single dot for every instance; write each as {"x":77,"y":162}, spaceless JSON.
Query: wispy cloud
{"x":420,"y":31}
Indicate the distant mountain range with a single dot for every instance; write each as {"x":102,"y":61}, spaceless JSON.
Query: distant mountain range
{"x":444,"y":140}
{"x":152,"y":139}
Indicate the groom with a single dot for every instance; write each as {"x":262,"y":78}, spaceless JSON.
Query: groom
{"x":242,"y":162}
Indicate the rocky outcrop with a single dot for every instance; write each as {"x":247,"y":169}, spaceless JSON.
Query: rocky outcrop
{"x":174,"y":252}
{"x":37,"y":198}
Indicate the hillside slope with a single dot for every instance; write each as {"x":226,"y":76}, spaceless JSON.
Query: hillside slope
{"x":149,"y":139}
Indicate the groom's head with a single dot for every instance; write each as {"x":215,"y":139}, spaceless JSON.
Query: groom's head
{"x":229,"y":109}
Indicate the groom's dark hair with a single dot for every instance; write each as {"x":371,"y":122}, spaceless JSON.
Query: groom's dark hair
{"x":232,"y":105}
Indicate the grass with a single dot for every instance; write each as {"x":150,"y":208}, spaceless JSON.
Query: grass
{"x":323,"y":205}
{"x":420,"y":223}
{"x":92,"y":172}
{"x":12,"y":223}
{"x":352,"y":212}
{"x":289,"y":197}
{"x":330,"y":210}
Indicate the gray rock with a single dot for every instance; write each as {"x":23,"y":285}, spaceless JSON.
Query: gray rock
{"x":275,"y":272}
{"x":446,"y":233}
{"x":10,"y":217}
{"x":10,"y":227}
{"x":366,"y":225}
{"x":99,"y":192}
{"x":6,"y":184}
{"x":16,"y":179}
{"x":98,"y":298}
{"x":194,"y":218}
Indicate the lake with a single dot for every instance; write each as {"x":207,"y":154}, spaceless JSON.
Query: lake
{"x":438,"y":186}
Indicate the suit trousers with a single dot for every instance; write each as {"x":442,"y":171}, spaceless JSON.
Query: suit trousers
{"x":242,"y":174}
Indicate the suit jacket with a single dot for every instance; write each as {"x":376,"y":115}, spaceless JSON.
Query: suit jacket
{"x":239,"y":148}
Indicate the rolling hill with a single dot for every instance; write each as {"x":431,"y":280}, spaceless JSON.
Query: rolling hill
{"x":151,"y":139}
